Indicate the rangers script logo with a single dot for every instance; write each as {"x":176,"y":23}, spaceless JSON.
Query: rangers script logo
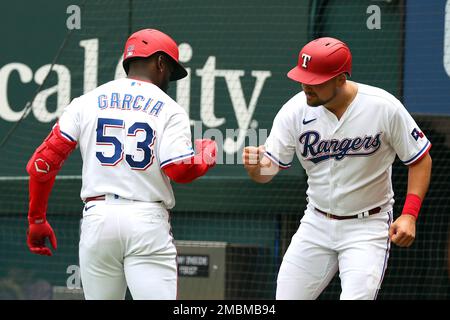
{"x":317,"y":150}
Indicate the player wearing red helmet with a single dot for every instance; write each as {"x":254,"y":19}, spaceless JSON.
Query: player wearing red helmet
{"x":133,"y":140}
{"x":346,"y":136}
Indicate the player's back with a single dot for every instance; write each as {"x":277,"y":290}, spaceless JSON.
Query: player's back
{"x":126,"y":130}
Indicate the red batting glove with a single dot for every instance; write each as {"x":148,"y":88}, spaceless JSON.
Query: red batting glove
{"x":36,"y":235}
{"x":208,"y":149}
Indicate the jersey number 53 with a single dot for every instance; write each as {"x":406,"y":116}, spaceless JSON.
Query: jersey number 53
{"x":144,"y":146}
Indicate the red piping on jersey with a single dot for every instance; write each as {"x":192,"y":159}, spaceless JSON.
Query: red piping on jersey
{"x":422,"y":156}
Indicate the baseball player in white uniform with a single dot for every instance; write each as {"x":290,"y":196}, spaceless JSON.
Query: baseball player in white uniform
{"x":346,"y":136}
{"x":133,"y":140}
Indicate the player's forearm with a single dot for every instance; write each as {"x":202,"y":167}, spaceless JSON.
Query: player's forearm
{"x":185,"y":172}
{"x":195,"y":167}
{"x":254,"y":172}
{"x":419,"y":175}
{"x":39,"y":193}
{"x":43,"y":167}
{"x":418,"y":181}
{"x":260,"y":173}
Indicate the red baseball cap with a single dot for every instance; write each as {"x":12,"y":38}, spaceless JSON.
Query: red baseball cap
{"x":320,"y":60}
{"x":146,"y":42}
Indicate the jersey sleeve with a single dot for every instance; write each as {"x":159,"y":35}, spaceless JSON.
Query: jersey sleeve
{"x":176,"y":142}
{"x":69,"y":122}
{"x":280,"y":145}
{"x":408,"y":141}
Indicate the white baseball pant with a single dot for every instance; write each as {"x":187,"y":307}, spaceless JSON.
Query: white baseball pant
{"x":125,"y":242}
{"x":358,"y":248}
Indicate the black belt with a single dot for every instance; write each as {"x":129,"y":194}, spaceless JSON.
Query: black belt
{"x":356,"y":216}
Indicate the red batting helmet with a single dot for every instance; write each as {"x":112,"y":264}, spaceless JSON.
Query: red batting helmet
{"x":320,"y":60}
{"x":145,"y":42}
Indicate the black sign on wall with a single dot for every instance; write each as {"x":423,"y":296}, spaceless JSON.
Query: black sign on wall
{"x":193,"y":265}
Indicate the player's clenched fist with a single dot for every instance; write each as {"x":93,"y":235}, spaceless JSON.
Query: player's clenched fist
{"x":254,"y":156}
{"x":403,"y":231}
{"x":250,"y":156}
{"x":258,"y":166}
{"x":208,"y":149}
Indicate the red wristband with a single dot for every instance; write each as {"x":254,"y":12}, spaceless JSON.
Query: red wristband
{"x":412,"y":205}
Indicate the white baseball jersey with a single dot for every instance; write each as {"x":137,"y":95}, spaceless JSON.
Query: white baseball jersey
{"x":128,"y":130}
{"x":348,"y":162}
